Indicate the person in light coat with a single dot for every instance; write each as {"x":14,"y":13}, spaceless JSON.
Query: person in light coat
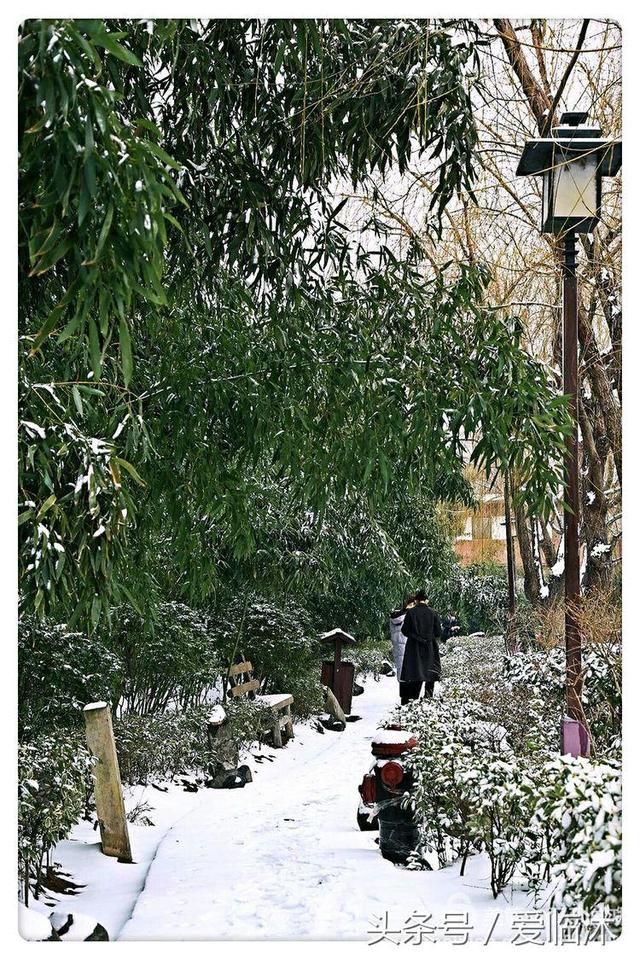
{"x":398,"y":639}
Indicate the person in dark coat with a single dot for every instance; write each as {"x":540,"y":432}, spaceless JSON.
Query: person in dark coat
{"x":450,"y":626}
{"x":421,"y":662}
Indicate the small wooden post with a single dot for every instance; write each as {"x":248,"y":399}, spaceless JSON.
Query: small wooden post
{"x":114,"y":831}
{"x":332,"y":706}
{"x":338,"y":673}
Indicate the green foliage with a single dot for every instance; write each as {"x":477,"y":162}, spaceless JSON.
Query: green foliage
{"x":282,"y":109}
{"x":58,"y":674}
{"x":367,"y":655}
{"x":74,"y":507}
{"x":95,"y":188}
{"x":285,"y":655}
{"x":477,"y":594}
{"x":159,"y":746}
{"x":173,"y":661}
{"x":53,"y":784}
{"x":578,"y":816}
{"x":290,"y":353}
{"x":476,"y":670}
{"x":543,"y":672}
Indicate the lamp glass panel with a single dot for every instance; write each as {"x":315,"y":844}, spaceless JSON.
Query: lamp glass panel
{"x":575,"y":192}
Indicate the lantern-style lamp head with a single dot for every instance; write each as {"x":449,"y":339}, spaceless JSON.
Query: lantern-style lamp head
{"x":572,"y":163}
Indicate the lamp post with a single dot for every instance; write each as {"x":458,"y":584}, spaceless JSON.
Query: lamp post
{"x":572,"y":163}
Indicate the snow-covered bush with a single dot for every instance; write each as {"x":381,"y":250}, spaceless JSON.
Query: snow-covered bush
{"x":458,"y":753}
{"x":53,"y":785}
{"x":161,"y":745}
{"x":472,"y":671}
{"x":577,"y":819}
{"x":58,"y":673}
{"x":497,"y":795}
{"x":488,"y":777}
{"x":172,"y":661}
{"x":543,"y":672}
{"x":367,"y":656}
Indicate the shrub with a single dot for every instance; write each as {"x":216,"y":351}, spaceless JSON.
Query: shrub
{"x":368,"y":655}
{"x":577,"y":817}
{"x":474,"y":669}
{"x":53,"y":785}
{"x":160,"y":746}
{"x":543,"y":672}
{"x":58,"y":673}
{"x":485,"y":778}
{"x":497,"y":795}
{"x":448,"y":737}
{"x":170,"y":661}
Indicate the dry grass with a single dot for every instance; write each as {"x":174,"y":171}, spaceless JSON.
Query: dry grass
{"x":599,"y":616}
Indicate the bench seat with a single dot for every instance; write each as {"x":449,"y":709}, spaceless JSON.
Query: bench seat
{"x":275,"y":701}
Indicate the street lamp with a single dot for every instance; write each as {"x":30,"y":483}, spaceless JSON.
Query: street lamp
{"x":572,"y":163}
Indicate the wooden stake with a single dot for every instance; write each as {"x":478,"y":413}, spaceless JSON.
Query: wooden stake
{"x":114,"y":831}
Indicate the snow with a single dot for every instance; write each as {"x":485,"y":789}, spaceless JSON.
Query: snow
{"x":98,"y":705}
{"x":81,"y":927}
{"x":333,"y":633}
{"x":281,"y":858}
{"x":32,"y":925}
{"x":391,"y":736}
{"x":217,"y":715}
{"x":272,"y":699}
{"x":110,"y":889}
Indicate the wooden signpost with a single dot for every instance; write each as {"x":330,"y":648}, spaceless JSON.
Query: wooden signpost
{"x":114,"y":831}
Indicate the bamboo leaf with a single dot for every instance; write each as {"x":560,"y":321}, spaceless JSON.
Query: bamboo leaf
{"x":125,"y":351}
{"x":131,"y":470}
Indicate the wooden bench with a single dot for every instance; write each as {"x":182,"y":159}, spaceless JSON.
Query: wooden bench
{"x":242,"y":683}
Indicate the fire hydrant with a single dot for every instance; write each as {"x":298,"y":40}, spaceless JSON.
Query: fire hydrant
{"x":382,"y":790}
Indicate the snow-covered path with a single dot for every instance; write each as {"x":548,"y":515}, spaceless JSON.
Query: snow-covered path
{"x":284,"y":858}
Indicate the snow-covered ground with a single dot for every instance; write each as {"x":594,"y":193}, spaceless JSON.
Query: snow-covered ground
{"x":282,"y":858}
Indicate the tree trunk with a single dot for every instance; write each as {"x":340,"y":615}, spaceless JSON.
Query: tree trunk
{"x":531,"y":582}
{"x":538,"y":101}
{"x":594,"y":510}
{"x":602,"y":390}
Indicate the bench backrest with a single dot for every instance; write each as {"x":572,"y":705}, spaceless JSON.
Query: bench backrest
{"x":241,"y":679}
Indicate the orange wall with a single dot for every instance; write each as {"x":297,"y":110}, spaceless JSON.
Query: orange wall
{"x":477,"y":551}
